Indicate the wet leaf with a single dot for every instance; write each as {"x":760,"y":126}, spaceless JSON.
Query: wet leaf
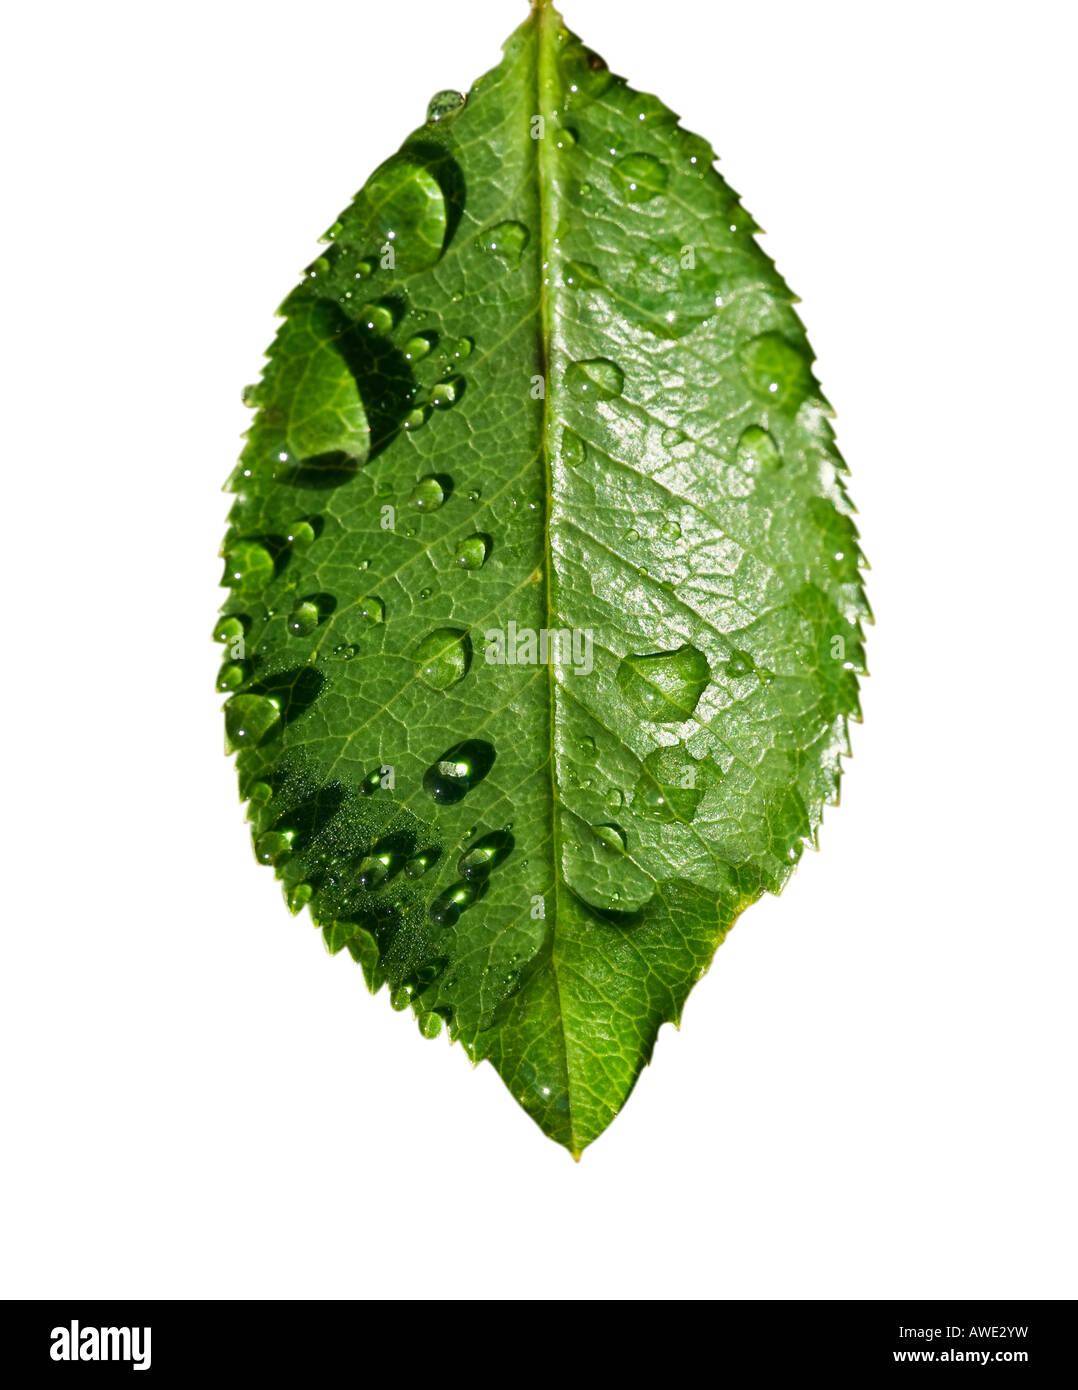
{"x":545,"y":616}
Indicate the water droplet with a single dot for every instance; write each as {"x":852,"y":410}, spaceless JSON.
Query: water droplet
{"x":419,"y":864}
{"x":249,"y":720}
{"x":374,"y":870}
{"x":319,"y":268}
{"x":372,"y":610}
{"x":248,"y":565}
{"x":595,"y":379}
{"x":573,"y":449}
{"x":640,"y":177}
{"x":400,"y":998}
{"x":371,"y":783}
{"x":363,"y":269}
{"x":403,"y":203}
{"x":661,"y":788}
{"x":444,"y":105}
{"x":381,"y":316}
{"x":345,"y":651}
{"x":458,"y":770}
{"x":776,"y":371}
{"x":756,"y":449}
{"x":419,"y":416}
{"x":671,"y":438}
{"x":507,"y":240}
{"x":664,"y":686}
{"x":443,"y":657}
{"x":632,"y":534}
{"x":430,"y":1024}
{"x":565,"y":138}
{"x":484,"y":855}
{"x":472,"y":552}
{"x":249,"y":395}
{"x":429,"y":493}
{"x":611,"y":837}
{"x":474,"y":495}
{"x":446,"y":910}
{"x":425,"y":594}
{"x":670,"y":531}
{"x":588,"y":749}
{"x":304,"y":532}
{"x":274,"y":846}
{"x":229,"y":628}
{"x":460,"y":348}
{"x":232,"y":675}
{"x":415,"y":349}
{"x":614,"y":799}
{"x":298,"y":896}
{"x":363,"y":565}
{"x":739,"y":664}
{"x":446,"y":393}
{"x":304,"y":618}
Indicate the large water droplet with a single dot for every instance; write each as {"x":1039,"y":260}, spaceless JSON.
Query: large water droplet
{"x":381,"y":316}
{"x":458,"y":770}
{"x":670,"y":531}
{"x":485,"y":854}
{"x":596,"y":379}
{"x":403,"y":203}
{"x":756,"y":450}
{"x":418,"y":865}
{"x":274,"y":846}
{"x":640,"y":177}
{"x":443,"y":657}
{"x":472,"y":552}
{"x":444,"y":105}
{"x":249,"y":720}
{"x":776,"y":371}
{"x":507,"y":240}
{"x":611,"y":837}
{"x":664,"y":686}
{"x":372,"y":610}
{"x":415,"y":349}
{"x":429,"y":493}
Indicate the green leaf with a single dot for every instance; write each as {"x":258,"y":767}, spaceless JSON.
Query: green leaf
{"x":545,"y":612}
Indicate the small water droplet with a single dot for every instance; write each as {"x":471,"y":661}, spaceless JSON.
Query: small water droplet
{"x":372,"y":610}
{"x":446,"y":393}
{"x":232,"y":675}
{"x":298,"y":896}
{"x":425,"y":593}
{"x":664,"y":686}
{"x":459,"y":348}
{"x":565,"y":138}
{"x":415,"y":349}
{"x":484,"y":855}
{"x":640,"y":177}
{"x":507,"y":240}
{"x":614,"y":799}
{"x":671,"y":438}
{"x":632,"y":534}
{"x":595,"y":379}
{"x":474,"y":495}
{"x":381,"y":316}
{"x":444,"y":105}
{"x":363,"y":269}
{"x":417,"y":417}
{"x":611,"y":837}
{"x":670,"y":531}
{"x":248,"y":565}
{"x":446,"y":910}
{"x":430,"y":1024}
{"x":429,"y":493}
{"x":229,"y":628}
{"x":304,"y":618}
{"x":661,"y":788}
{"x":776,"y":371}
{"x":442,"y":658}
{"x":274,"y":846}
{"x":458,"y":770}
{"x":374,"y":870}
{"x":345,"y":651}
{"x":573,"y":449}
{"x":756,"y":449}
{"x":472,"y":552}
{"x":739,"y":664}
{"x":249,"y":720}
{"x":418,"y":865}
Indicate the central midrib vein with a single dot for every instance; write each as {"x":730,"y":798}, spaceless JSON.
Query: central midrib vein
{"x":546,"y":21}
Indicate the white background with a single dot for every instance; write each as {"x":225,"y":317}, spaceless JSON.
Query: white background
{"x":873,"y":1091}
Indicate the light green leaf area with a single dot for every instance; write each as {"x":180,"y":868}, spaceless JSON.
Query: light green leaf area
{"x":545,"y":614}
